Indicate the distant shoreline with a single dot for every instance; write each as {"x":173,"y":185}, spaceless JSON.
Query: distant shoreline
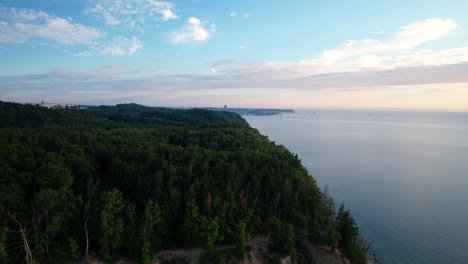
{"x":253,"y":111}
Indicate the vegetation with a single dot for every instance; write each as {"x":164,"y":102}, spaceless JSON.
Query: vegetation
{"x":130,"y":180}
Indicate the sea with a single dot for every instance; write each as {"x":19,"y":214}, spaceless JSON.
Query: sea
{"x":403,"y":175}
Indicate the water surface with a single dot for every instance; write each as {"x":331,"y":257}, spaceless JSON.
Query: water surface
{"x":404,"y":175}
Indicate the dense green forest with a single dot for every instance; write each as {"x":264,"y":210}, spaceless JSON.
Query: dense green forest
{"x":130,"y":180}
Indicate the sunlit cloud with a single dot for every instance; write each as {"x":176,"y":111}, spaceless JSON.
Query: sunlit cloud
{"x":409,"y":37}
{"x":193,"y":31}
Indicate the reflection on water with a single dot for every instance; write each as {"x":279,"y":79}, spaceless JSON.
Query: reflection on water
{"x":404,"y":175}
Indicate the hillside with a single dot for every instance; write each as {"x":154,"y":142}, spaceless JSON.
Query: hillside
{"x":130,"y":181}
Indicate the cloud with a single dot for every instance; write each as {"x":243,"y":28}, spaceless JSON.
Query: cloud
{"x":242,"y":47}
{"x":122,"y":46}
{"x":109,"y":19}
{"x":125,"y":78}
{"x":22,"y":14}
{"x":118,"y":46}
{"x":193,"y":31}
{"x":409,"y":37}
{"x":233,"y":14}
{"x":84,"y":53}
{"x":24,"y":25}
{"x":442,"y":74}
{"x":110,"y":83}
{"x":371,"y":64}
{"x":133,"y":12}
{"x":168,"y":14}
{"x":365,"y":67}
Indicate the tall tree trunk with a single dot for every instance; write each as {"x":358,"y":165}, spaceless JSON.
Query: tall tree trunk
{"x":91,"y":186}
{"x":29,"y":257}
{"x":87,"y":240}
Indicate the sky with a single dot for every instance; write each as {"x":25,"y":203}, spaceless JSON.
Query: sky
{"x":402,"y":55}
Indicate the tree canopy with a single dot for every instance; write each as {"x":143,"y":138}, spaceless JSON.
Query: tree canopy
{"x":129,"y":180}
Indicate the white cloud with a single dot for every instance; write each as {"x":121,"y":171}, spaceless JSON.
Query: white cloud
{"x":114,"y":50}
{"x":24,"y":25}
{"x":122,"y":46}
{"x":168,"y":14}
{"x":133,"y":12}
{"x":367,"y":64}
{"x":110,"y":20}
{"x":359,"y":62}
{"x":233,"y":14}
{"x":136,"y":45}
{"x":84,"y":53}
{"x":22,"y":14}
{"x":193,"y":31}
{"x":280,"y":71}
{"x":407,"y":38}
{"x":242,"y":47}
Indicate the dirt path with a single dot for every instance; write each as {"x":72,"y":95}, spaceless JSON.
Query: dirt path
{"x":194,"y":254}
{"x":258,"y":248}
{"x":323,"y":255}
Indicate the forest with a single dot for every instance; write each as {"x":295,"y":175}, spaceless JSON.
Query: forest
{"x":129,"y":180}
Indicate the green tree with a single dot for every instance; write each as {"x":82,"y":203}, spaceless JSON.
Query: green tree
{"x":241,"y":238}
{"x":347,"y":227}
{"x":334,"y":238}
{"x":192,"y":223}
{"x":112,"y":224}
{"x":225,"y":215}
{"x":151,"y":219}
{"x":281,"y":235}
{"x":288,"y":239}
{"x":52,"y":204}
{"x":74,"y":251}
{"x":200,"y":229}
{"x":146,"y":253}
{"x":4,"y":258}
{"x":274,"y":230}
{"x":209,"y":233}
{"x":349,"y":233}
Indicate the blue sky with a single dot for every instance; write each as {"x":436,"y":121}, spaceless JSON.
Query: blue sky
{"x":297,"y":54}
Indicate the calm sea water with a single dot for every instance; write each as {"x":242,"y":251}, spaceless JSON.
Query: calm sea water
{"x":404,"y":175}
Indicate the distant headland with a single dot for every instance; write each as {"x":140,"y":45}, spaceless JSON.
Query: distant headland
{"x":253,"y":111}
{"x":240,"y":111}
